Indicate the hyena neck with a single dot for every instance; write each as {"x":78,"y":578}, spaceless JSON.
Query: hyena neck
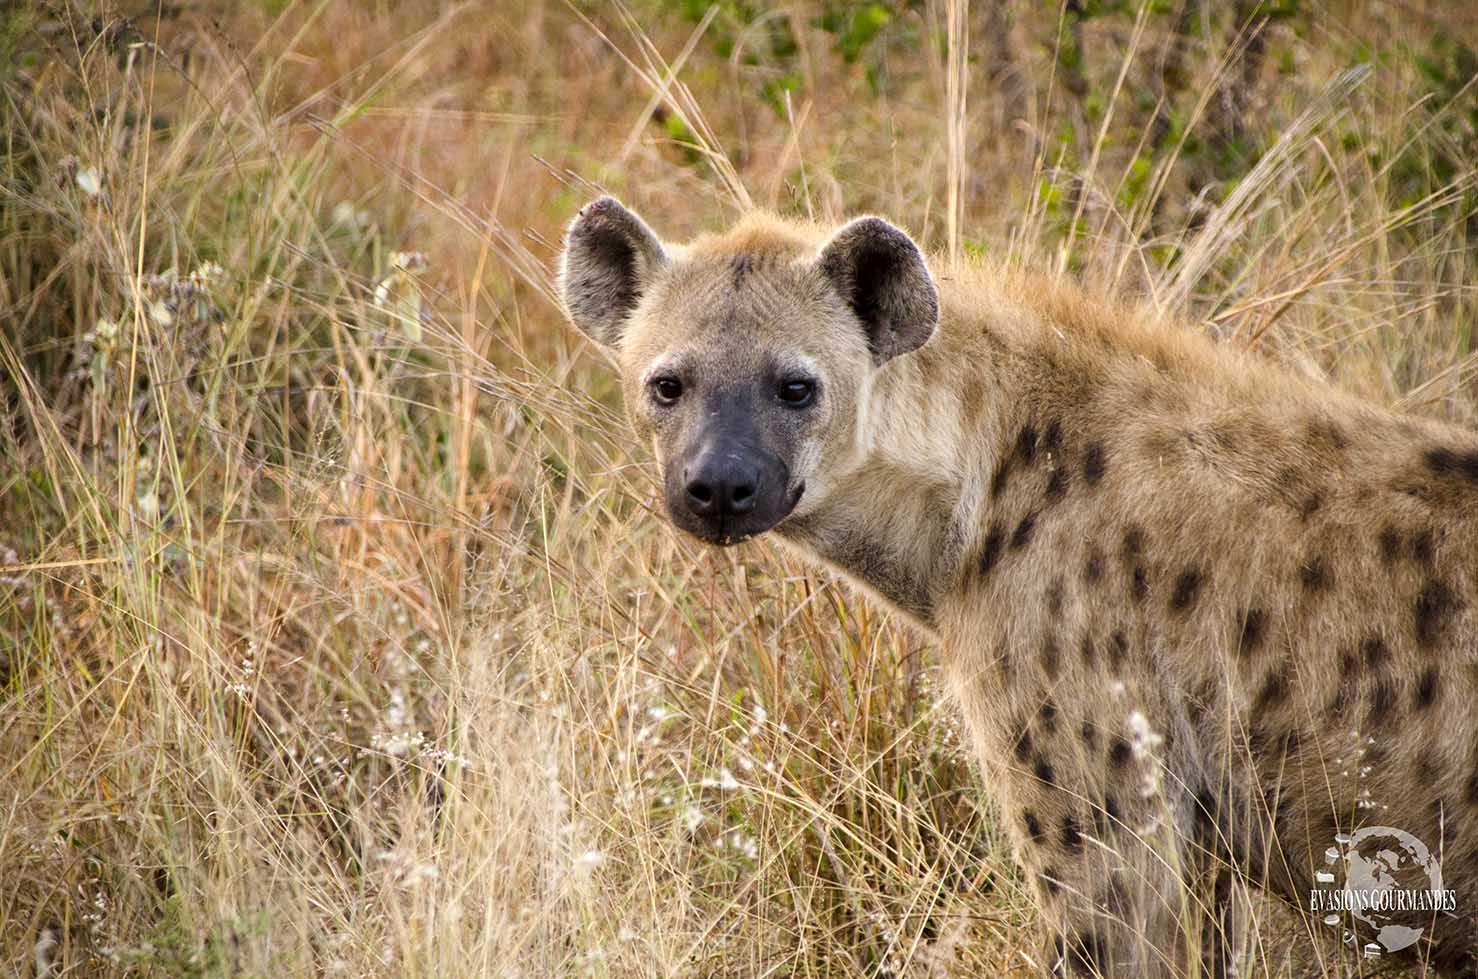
{"x":900,"y":521}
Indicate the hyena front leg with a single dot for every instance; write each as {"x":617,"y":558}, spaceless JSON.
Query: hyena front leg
{"x":1135,"y":898}
{"x":1117,"y":844}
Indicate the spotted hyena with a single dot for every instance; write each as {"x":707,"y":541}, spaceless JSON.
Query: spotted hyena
{"x":1205,"y":619}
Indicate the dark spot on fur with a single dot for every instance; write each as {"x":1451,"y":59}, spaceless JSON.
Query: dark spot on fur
{"x":1094,"y":464}
{"x":1427,"y":769}
{"x":1139,"y":585}
{"x":1048,"y":713}
{"x":1072,"y":837}
{"x":1119,"y":752}
{"x":1434,"y":607}
{"x":1343,"y":691}
{"x":1325,"y":434}
{"x":1049,"y":881}
{"x":1290,"y":480}
{"x":1090,"y":735}
{"x":1022,"y":536}
{"x":1054,"y":596}
{"x":990,"y":553}
{"x":1187,"y":587}
{"x":1421,"y":547}
{"x":1106,"y":816}
{"x":1057,"y":484}
{"x":1310,"y":505}
{"x":1042,"y":769}
{"x":1205,"y":808}
{"x":1133,"y":543}
{"x":1450,"y":462}
{"x":1093,"y":566}
{"x":1427,"y":688}
{"x":1382,"y":699}
{"x":1390,"y":544}
{"x":1022,"y":748}
{"x":1375,"y":652}
{"x":1274,"y":691}
{"x":1026,"y":444}
{"x":1314,"y":575}
{"x":1253,"y":623}
{"x":1002,"y":474}
{"x":1088,"y":650}
{"x":1033,"y":826}
{"x":1051,"y":657}
{"x":1052,"y":438}
{"x":1118,"y":649}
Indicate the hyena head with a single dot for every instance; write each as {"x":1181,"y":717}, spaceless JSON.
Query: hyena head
{"x":746,"y":358}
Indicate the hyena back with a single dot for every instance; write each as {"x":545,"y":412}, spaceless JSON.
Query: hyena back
{"x":1207,"y":620}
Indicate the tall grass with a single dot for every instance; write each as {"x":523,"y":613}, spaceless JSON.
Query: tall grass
{"x":339,"y":629}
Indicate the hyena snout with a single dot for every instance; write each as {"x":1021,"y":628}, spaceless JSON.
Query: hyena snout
{"x":723,"y":492}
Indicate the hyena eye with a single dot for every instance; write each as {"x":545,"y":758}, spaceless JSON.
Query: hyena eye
{"x":797,"y":393}
{"x":666,"y":389}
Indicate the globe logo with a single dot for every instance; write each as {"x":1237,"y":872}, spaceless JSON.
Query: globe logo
{"x":1390,"y":890}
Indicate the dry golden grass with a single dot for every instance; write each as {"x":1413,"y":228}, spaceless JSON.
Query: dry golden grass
{"x":339,"y":629}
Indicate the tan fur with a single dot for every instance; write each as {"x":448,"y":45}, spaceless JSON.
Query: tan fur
{"x":1105,"y":517}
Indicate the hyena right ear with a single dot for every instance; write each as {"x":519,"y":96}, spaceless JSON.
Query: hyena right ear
{"x":609,"y":258}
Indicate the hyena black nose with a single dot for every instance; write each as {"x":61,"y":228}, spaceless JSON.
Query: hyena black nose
{"x":724,"y":487}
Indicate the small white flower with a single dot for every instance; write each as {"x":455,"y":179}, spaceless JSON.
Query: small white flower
{"x":90,"y":181}
{"x":44,"y":952}
{"x":1144,"y":738}
{"x":409,"y":261}
{"x":349,"y":216}
{"x":206,"y":273}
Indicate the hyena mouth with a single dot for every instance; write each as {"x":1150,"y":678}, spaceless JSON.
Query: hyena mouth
{"x":726,"y":531}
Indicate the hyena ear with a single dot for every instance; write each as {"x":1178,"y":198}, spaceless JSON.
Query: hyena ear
{"x":881,"y":274}
{"x":609,"y":258}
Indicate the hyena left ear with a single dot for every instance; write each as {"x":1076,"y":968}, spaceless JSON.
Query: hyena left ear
{"x":881,"y":274}
{"x":609,"y":258}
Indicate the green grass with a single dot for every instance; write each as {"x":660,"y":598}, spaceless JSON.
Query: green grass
{"x":340,"y":633}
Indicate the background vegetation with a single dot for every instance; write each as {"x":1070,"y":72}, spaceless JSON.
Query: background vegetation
{"x":339,"y":633}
